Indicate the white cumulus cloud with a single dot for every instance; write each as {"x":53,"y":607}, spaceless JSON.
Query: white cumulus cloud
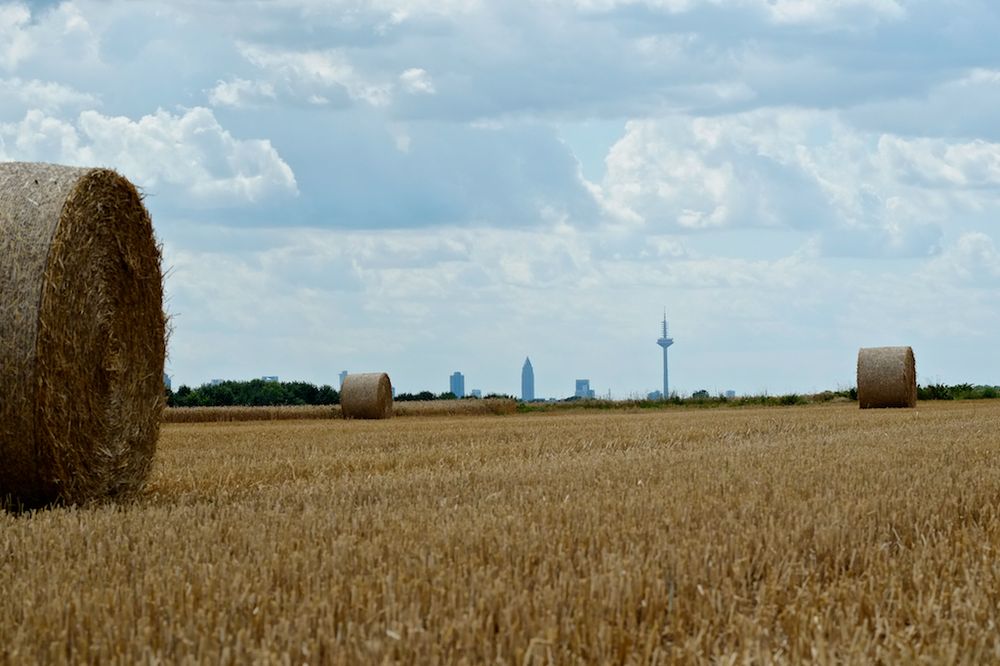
{"x":15,"y":43}
{"x":26,"y":35}
{"x":314,"y":75}
{"x":45,"y":95}
{"x":417,"y":81}
{"x":942,"y":163}
{"x":697,"y":173}
{"x":191,"y":152}
{"x":240,"y":92}
{"x":865,"y":193}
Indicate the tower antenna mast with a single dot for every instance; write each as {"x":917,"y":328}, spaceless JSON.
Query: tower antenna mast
{"x":665,"y":341}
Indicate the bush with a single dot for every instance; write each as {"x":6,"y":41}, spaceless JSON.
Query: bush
{"x":934,"y":392}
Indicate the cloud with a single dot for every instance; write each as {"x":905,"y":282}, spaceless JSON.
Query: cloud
{"x":15,"y":42}
{"x":387,"y":292}
{"x":972,"y":260}
{"x":20,"y":95}
{"x":417,"y":81}
{"x":826,"y":12}
{"x":698,"y":173}
{"x":542,"y":60}
{"x":959,"y":107}
{"x":396,"y":10}
{"x":375,"y":175}
{"x":27,"y":35}
{"x":881,"y":241}
{"x":240,"y":93}
{"x":861,"y":193}
{"x":672,"y":6}
{"x":190,"y":152}
{"x":317,"y":75}
{"x":944,"y":164}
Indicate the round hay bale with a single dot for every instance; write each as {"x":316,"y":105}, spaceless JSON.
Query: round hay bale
{"x":887,"y":377}
{"x":366,"y":396}
{"x":82,"y":335}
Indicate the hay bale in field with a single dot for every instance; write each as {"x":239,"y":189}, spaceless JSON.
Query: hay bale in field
{"x":82,"y":335}
{"x":887,"y":377}
{"x":366,"y":396}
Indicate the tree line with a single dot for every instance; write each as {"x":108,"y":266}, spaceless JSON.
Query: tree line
{"x":957,"y":392}
{"x":447,"y":395}
{"x":256,"y":392}
{"x":261,"y":393}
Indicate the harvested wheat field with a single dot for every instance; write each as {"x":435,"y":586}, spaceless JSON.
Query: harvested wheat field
{"x":821,"y":533}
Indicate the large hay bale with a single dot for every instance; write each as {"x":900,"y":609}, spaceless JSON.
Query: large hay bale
{"x":887,"y":377}
{"x":81,"y":335}
{"x":366,"y":396}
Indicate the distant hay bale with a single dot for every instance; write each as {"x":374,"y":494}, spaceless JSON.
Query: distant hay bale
{"x":81,"y":335}
{"x":887,"y":377}
{"x":366,"y":396}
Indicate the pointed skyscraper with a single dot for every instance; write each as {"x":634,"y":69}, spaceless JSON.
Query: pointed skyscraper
{"x":527,"y":381}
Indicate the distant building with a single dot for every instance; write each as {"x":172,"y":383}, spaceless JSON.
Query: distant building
{"x":476,"y":393}
{"x":730,"y":394}
{"x":343,"y":375}
{"x":583,"y":389}
{"x":215,"y":382}
{"x":655,"y":395}
{"x":270,"y":378}
{"x":166,"y":381}
{"x":527,"y":381}
{"x":457,"y":384}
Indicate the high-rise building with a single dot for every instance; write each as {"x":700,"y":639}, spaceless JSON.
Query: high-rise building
{"x":476,"y":393}
{"x":457,"y":384}
{"x":527,"y":381}
{"x":343,"y":375}
{"x":583,"y":389}
{"x":166,"y":381}
{"x":665,"y":342}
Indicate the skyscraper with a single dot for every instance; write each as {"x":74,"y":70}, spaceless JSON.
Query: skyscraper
{"x":457,"y":384}
{"x":527,"y":381}
{"x":343,"y":375}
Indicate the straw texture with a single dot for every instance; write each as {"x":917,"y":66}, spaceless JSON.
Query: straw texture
{"x":82,"y":335}
{"x":366,"y":396}
{"x":887,"y":377}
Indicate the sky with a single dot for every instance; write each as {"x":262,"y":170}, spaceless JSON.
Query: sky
{"x":425,"y":186}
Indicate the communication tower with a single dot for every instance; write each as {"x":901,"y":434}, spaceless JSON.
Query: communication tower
{"x":665,"y":341}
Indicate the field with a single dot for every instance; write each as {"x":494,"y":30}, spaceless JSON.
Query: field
{"x":820,"y":533}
